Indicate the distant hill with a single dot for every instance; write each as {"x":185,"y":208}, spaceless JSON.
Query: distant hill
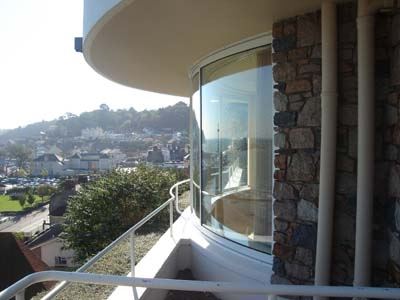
{"x":175,"y":117}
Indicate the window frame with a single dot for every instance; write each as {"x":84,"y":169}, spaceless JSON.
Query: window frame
{"x":260,"y":40}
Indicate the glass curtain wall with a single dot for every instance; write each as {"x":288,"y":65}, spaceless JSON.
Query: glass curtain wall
{"x":236,"y":147}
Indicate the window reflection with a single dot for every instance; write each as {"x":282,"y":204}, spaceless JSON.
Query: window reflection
{"x":236,"y":166}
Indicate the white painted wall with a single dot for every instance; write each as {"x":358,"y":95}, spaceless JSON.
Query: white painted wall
{"x":105,"y":164}
{"x":53,"y":168}
{"x":208,"y":257}
{"x":53,"y":248}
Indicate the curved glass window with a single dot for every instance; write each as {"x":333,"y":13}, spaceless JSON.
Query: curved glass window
{"x":236,"y":147}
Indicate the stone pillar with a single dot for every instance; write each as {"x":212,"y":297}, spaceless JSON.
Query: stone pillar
{"x":297,"y":76}
{"x":296,"y":72}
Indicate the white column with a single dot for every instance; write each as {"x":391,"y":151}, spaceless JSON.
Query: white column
{"x":328,"y":143}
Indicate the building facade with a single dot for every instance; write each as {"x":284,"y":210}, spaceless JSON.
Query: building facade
{"x":294,"y":129}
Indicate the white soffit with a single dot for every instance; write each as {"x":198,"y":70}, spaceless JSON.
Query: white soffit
{"x":151,"y":44}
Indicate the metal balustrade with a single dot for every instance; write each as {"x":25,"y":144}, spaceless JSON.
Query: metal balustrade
{"x":270,"y":290}
{"x":130,"y":233}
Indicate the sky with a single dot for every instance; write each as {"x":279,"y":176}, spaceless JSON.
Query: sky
{"x":41,"y":75}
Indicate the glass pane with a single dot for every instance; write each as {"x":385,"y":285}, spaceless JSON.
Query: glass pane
{"x":195,"y":151}
{"x":237,"y":147}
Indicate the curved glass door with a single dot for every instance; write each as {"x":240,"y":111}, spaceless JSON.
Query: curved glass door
{"x":236,"y":142}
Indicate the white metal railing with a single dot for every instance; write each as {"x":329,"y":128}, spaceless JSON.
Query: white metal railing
{"x":129,"y":233}
{"x":270,"y":290}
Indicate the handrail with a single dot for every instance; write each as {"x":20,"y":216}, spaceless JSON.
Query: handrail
{"x":176,"y":196}
{"x":130,"y":232}
{"x":203,"y":286}
{"x":18,"y":288}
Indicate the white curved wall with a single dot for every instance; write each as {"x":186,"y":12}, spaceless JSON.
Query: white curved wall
{"x":93,"y":11}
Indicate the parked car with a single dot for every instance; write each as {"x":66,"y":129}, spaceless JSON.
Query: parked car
{"x":4,"y":219}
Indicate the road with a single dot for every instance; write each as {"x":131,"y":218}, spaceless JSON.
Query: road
{"x":29,"y":223}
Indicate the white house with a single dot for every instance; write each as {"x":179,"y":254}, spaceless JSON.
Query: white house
{"x":50,"y":164}
{"x":89,"y":163}
{"x":50,"y":248}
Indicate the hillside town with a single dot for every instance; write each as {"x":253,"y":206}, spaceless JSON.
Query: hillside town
{"x":92,"y":153}
{"x":41,"y":171}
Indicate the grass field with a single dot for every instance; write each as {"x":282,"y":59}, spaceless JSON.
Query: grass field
{"x":6,"y":204}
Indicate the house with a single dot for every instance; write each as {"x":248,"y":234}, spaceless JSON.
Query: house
{"x":59,"y":201}
{"x":116,"y":155}
{"x":49,"y":164}
{"x":49,"y":247}
{"x":95,"y":162}
{"x":18,"y":261}
{"x":295,"y":135}
{"x":92,"y":133}
{"x":155,"y":155}
{"x":85,"y":163}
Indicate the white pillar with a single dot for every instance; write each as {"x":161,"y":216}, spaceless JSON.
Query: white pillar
{"x":328,"y":143}
{"x":366,"y":153}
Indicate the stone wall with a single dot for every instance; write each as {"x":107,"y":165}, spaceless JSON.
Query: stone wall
{"x":297,"y":76}
{"x":391,"y":136}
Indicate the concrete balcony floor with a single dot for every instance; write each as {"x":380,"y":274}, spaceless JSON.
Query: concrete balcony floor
{"x":208,"y":259}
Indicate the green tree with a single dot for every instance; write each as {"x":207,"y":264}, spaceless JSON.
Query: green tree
{"x":3,"y":153}
{"x":45,"y":190}
{"x":22,"y":172}
{"x":44,"y":173}
{"x":22,"y":200}
{"x":104,"y":107}
{"x":105,"y":208}
{"x":30,"y":198}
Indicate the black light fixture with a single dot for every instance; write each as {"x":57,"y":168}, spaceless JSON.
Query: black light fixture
{"x":78,"y":44}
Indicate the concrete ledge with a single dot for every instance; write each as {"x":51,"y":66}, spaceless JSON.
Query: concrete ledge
{"x":210,"y":257}
{"x":164,"y":260}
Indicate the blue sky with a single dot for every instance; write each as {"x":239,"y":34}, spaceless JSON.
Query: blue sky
{"x":41,"y":75}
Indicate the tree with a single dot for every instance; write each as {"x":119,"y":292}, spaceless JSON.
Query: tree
{"x":22,"y":172}
{"x":105,"y":208}
{"x":30,"y":198}
{"x":3,"y":153}
{"x":45,"y":190}
{"x":44,"y":173}
{"x":22,"y":200}
{"x":104,"y":107}
{"x":20,"y":153}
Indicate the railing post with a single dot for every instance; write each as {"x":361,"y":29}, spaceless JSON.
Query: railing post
{"x":20,"y":295}
{"x":177,"y":197}
{"x":133,"y":258}
{"x":171,"y":216}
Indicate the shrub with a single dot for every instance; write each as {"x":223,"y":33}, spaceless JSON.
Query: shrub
{"x":45,"y":190}
{"x":30,"y":198}
{"x":103,"y":209}
{"x":22,"y":199}
{"x":17,"y":196}
{"x":18,"y":190}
